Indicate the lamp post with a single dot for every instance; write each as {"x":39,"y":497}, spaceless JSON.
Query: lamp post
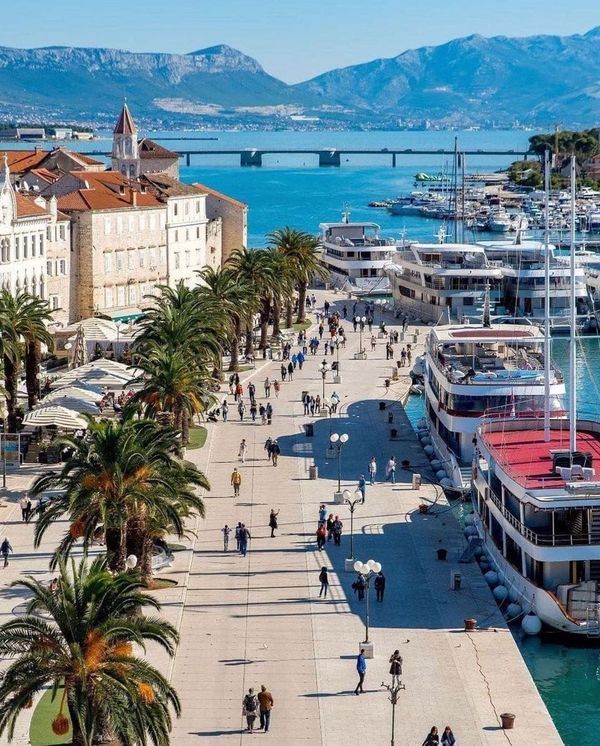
{"x":393,"y":690}
{"x":337,"y":442}
{"x":337,"y":378}
{"x":323,"y":368}
{"x":368,"y":570}
{"x":361,"y":320}
{"x":352,"y":503}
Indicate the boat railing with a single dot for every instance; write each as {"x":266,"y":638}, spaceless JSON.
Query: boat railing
{"x":544,"y":539}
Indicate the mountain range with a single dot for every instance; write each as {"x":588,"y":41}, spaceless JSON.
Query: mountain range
{"x":469,"y":81}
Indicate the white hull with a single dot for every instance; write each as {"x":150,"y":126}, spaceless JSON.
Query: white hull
{"x":529,"y":596}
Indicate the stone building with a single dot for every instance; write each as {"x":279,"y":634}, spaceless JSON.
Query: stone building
{"x":234,"y":215}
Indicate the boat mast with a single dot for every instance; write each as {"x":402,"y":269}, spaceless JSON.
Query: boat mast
{"x":573,"y":340}
{"x":547,"y":295}
{"x":456,"y":190}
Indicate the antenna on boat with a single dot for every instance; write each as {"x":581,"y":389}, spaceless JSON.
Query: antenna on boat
{"x":346,"y":215}
{"x":573,"y":340}
{"x":487,"y":316}
{"x":547,"y":350}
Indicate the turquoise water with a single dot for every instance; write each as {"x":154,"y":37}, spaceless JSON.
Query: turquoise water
{"x":286,"y":193}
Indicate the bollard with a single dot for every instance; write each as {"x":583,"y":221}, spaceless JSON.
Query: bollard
{"x":508,"y":720}
{"x":313,"y":471}
{"x":470,"y":625}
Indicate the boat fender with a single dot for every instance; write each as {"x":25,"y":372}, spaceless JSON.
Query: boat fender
{"x":513,"y":610}
{"x":531,"y":624}
{"x":491,"y":577}
{"x":469,"y":521}
{"x":500,"y":593}
{"x":513,"y":594}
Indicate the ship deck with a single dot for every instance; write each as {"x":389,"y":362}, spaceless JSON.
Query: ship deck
{"x":528,"y":458}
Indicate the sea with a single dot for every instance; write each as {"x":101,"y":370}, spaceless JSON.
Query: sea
{"x":291,"y":190}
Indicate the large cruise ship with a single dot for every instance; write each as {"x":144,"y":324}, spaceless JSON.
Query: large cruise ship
{"x":355,"y":256}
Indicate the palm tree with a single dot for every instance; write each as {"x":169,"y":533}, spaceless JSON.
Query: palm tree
{"x":23,"y":320}
{"x":120,"y":472}
{"x":80,"y":639}
{"x":224,"y":293}
{"x":301,"y":249}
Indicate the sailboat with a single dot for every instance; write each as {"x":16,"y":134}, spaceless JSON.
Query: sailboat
{"x":536,"y":497}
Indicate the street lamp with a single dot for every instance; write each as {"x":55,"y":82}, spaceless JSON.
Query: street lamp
{"x":337,"y":378}
{"x":337,"y":442}
{"x":393,"y":690}
{"x":368,"y":570}
{"x":352,"y":503}
{"x":324,"y":367}
{"x":361,"y":321}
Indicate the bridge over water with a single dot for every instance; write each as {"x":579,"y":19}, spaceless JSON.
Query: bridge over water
{"x":250,"y":157}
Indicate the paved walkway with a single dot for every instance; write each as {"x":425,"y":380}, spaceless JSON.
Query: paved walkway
{"x":258,"y":619}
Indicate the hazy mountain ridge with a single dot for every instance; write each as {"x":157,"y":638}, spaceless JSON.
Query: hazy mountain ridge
{"x":472,"y":80}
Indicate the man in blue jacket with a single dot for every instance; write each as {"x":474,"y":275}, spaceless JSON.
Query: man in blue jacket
{"x":361,"y":667}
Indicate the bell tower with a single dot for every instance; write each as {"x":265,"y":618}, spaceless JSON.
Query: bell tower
{"x":125,"y":151}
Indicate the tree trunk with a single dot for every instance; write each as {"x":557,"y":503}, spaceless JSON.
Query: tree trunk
{"x":32,"y":366}
{"x":302,"y":288}
{"x":276,"y":318}
{"x":249,"y":339}
{"x":289,"y":313}
{"x":10,"y":382}
{"x":185,"y":428}
{"x":115,"y":549}
{"x":140,"y":544}
{"x":235,"y":346}
{"x":265,"y":314}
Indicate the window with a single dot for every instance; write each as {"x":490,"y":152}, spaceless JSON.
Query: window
{"x":197,"y":257}
{"x":175,"y":208}
{"x":33,"y":246}
{"x":108,"y":261}
{"x":107,"y":226}
{"x":187,"y":234}
{"x":108,"y":297}
{"x":41,"y":244}
{"x":54,"y":301}
{"x":49,"y":233}
{"x":198,"y":232}
{"x":132,"y":294}
{"x":25,"y":248}
{"x":197,"y":205}
{"x":152,"y":257}
{"x":62,"y":265}
{"x":120,"y":260}
{"x":187,"y":208}
{"x":121,"y":295}
{"x":142,"y":257}
{"x":176,"y":236}
{"x":61,"y":231}
{"x":49,"y":269}
{"x":130,"y":259}
{"x":176,"y":261}
{"x":17,"y":248}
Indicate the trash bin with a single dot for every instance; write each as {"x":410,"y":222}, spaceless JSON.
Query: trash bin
{"x":313,"y":471}
{"x":508,"y":720}
{"x":416,"y":481}
{"x":381,"y":406}
{"x":309,"y":429}
{"x":442,"y":554}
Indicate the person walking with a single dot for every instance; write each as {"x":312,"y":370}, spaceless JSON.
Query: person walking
{"x":396,"y":667}
{"x":361,"y":668}
{"x":273,"y":521}
{"x":238,"y":536}
{"x":249,"y":709}
{"x":283,"y":371}
{"x":267,"y":385}
{"x":244,"y":538}
{"x":275,"y":451}
{"x":448,"y":737}
{"x":5,"y":549}
{"x":225,"y":410}
{"x":305,"y":401}
{"x":266,"y":704}
{"x":390,"y":470}
{"x":241,"y":409}
{"x":330,"y":527}
{"x":322,"y":513}
{"x":236,"y":481}
{"x":362,"y":486}
{"x":373,"y":343}
{"x":321,"y":536}
{"x":359,"y":587}
{"x":324,"y":582}
{"x":290,"y":370}
{"x":251,"y":391}
{"x":372,"y":470}
{"x":300,"y":359}
{"x":337,"y":531}
{"x":243,"y":450}
{"x":253,"y":410}
{"x":432,"y":737}
{"x":23,"y":506}
{"x":268,"y":446}
{"x":380,"y":586}
{"x":269,"y":413}
{"x":276,"y":388}
{"x":262,"y":411}
{"x":225,"y":531}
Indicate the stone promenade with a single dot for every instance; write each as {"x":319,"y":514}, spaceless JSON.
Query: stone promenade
{"x":245,"y":621}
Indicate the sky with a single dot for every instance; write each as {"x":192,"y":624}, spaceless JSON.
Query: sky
{"x":292,"y":39}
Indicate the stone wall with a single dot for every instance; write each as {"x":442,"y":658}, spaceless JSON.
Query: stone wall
{"x":235,"y":221}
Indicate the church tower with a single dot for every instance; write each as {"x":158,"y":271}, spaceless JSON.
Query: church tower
{"x":125,"y":151}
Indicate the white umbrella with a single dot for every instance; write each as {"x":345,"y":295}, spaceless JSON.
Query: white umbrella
{"x":95,"y":330}
{"x":70,"y":402}
{"x":85,"y":393}
{"x":100,"y":373}
{"x":60,"y":417}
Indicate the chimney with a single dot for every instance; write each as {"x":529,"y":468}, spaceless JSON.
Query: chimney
{"x":121,"y":189}
{"x":134,"y":198}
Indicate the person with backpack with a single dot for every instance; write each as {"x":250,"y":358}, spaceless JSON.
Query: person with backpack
{"x":5,"y":548}
{"x":321,"y":536}
{"x":249,"y":709}
{"x":238,"y":535}
{"x":275,"y":451}
{"x":324,"y":582}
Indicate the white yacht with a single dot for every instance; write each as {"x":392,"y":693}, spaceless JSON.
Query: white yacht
{"x":442,"y":282}
{"x":355,"y":256}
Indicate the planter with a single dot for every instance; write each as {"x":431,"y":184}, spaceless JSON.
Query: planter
{"x":508,"y":720}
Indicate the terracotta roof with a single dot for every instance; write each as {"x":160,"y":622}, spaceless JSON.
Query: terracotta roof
{"x":168,"y":186}
{"x":219,"y":195}
{"x":45,"y":174}
{"x":125,"y":125}
{"x":104,"y":194}
{"x":86,"y":158}
{"x":26,"y":207}
{"x":23,"y":160}
{"x":150,"y":149}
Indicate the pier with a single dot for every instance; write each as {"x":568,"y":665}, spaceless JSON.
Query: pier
{"x":247,"y":621}
{"x":251,"y":157}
